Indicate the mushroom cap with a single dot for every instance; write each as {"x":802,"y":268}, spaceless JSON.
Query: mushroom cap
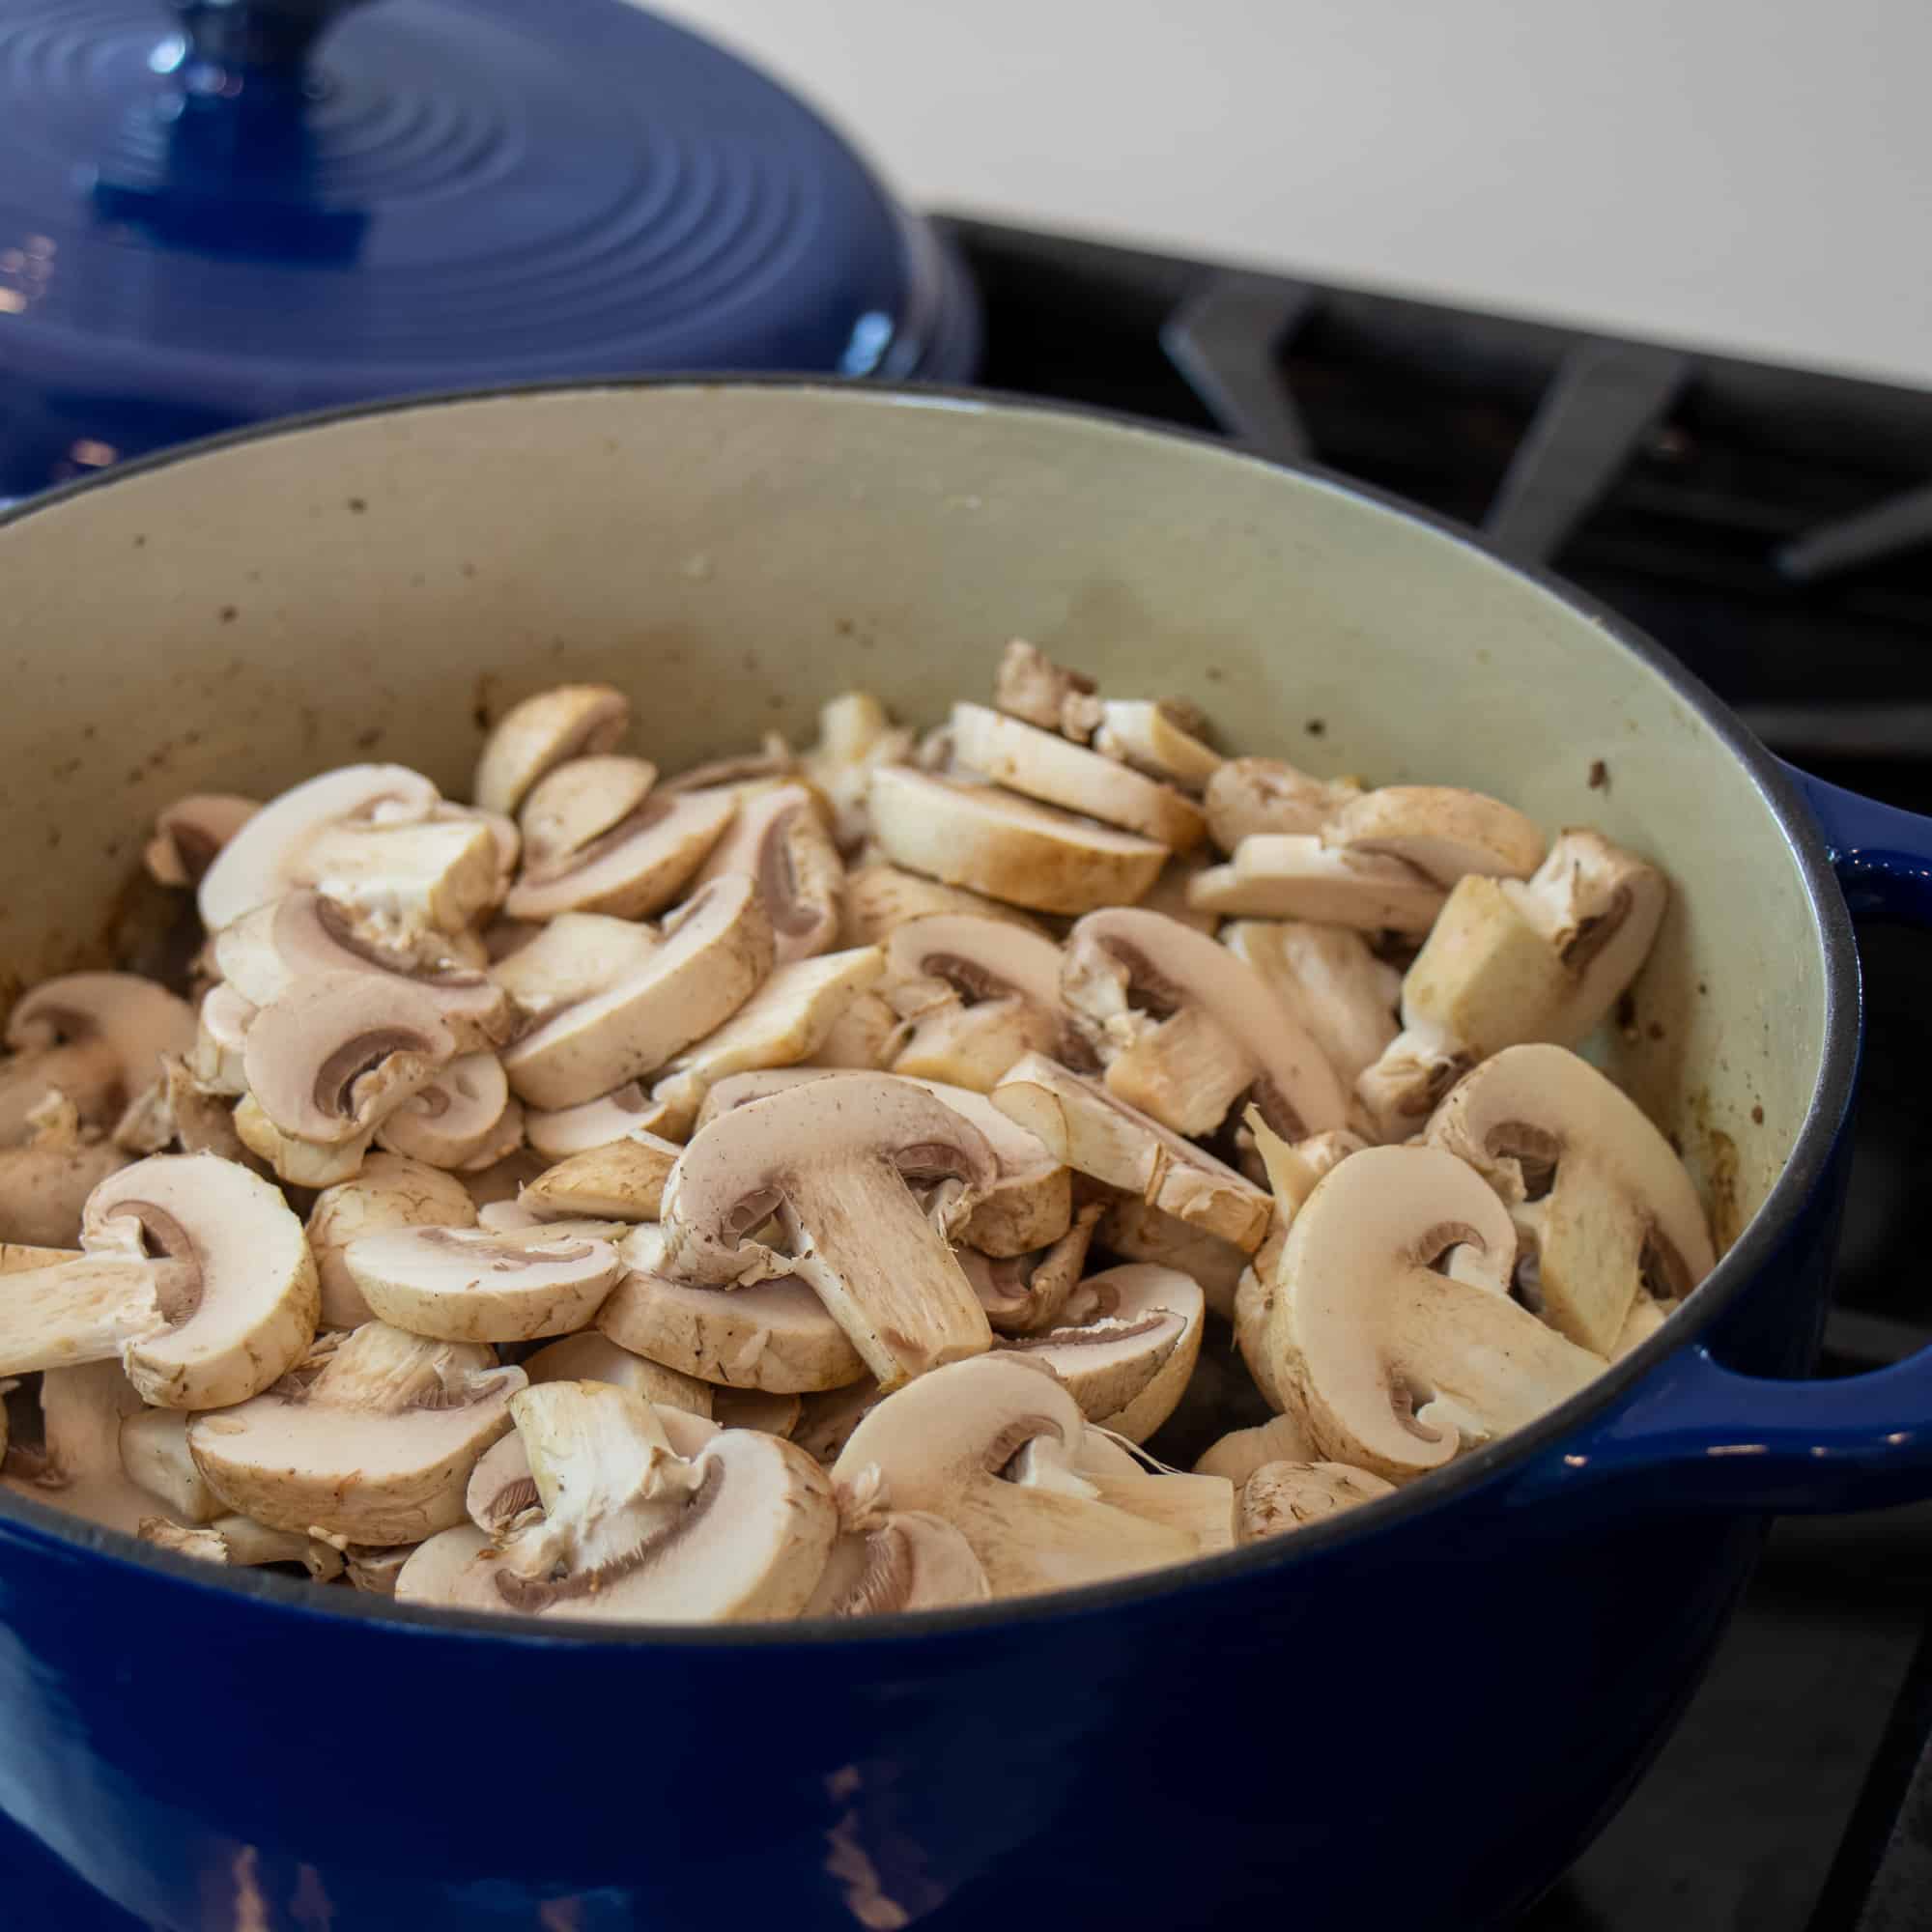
{"x":1125,"y":1345}
{"x":712,"y":959}
{"x":241,"y":1300}
{"x":375,"y":1444}
{"x":192,"y":832}
{"x":775,"y":1335}
{"x":259,"y":861}
{"x":1046,"y":766}
{"x":1610,"y":1200}
{"x":1286,"y":1495}
{"x":900,"y":1560}
{"x":1391,"y":1364}
{"x":1114,"y":953}
{"x":392,"y":1191}
{"x":456,"y":1116}
{"x":779,"y":839}
{"x":268,"y":953}
{"x":636,"y":868}
{"x":991,"y":841}
{"x":117,"y":1022}
{"x":1440,"y":829}
{"x":534,"y":736}
{"x":341,"y":1052}
{"x":1294,"y":876}
{"x":475,"y":1284}
{"x":1246,"y":796}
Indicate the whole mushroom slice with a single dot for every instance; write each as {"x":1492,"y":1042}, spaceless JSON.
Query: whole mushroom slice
{"x":1081,"y":1123}
{"x":392,"y":1191}
{"x":569,"y":720}
{"x":1598,"y":1195}
{"x":96,"y":1038}
{"x":630,"y":1531}
{"x":195,"y":1278}
{"x":372,"y":1440}
{"x":945,"y":1444}
{"x":1239,"y":1454}
{"x":1029,"y":685}
{"x":1443,"y":832}
{"x":44,"y":1183}
{"x":636,"y":868}
{"x":1023,"y":1295}
{"x":1045,"y":766}
{"x":1246,"y":796}
{"x":238,"y":1542}
{"x":1393,"y":1335}
{"x":1133,"y":1232}
{"x":715,"y":954}
{"x":1288,"y":1496}
{"x":1152,"y":735}
{"x":1126,"y":1344}
{"x":886,"y":1561}
{"x":1329,"y":980}
{"x":575,"y":957}
{"x":270,"y":952}
{"x":880,"y":898}
{"x":462,"y":1116}
{"x":190,"y":833}
{"x":779,"y":839}
{"x":1296,"y":876}
{"x":1007,"y":847}
{"x":840,"y":1157}
{"x":267,"y":855}
{"x":591,"y":1357}
{"x":619,"y":1181}
{"x":1124,"y":953}
{"x":477,"y":1285}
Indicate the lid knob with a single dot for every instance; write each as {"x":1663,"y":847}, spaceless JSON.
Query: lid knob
{"x":232,"y":44}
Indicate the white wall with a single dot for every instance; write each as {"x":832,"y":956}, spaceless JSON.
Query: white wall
{"x":1752,"y":173}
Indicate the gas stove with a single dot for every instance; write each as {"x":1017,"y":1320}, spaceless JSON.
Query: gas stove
{"x":1772,"y":527}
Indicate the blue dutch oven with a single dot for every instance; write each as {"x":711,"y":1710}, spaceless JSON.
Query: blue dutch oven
{"x":1426,"y":1707}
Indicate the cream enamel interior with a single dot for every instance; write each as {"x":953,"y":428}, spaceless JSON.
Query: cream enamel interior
{"x":380,"y":588}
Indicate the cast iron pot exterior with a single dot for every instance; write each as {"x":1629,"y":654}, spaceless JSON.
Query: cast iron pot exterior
{"x":1425,"y":1708}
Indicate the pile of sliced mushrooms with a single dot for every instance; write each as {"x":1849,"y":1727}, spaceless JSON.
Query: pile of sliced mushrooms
{"x":801,"y":1186}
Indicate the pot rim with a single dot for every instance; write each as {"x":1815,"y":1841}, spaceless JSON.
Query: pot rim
{"x":1811,"y":1149}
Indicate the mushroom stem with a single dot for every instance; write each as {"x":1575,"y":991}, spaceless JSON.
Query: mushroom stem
{"x":82,"y":1311}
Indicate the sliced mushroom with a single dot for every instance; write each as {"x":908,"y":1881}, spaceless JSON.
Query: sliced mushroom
{"x":1200,"y":1508}
{"x":775,"y":1335}
{"x":1023,"y":1295}
{"x":580,"y":801}
{"x":1219,"y":1015}
{"x":879,"y":898}
{"x":1330,"y":980}
{"x":1125,"y":1344}
{"x":77,"y":1465}
{"x":195,"y":1278}
{"x":503,"y":1180}
{"x":46,"y":1183}
{"x":1239,"y":1454}
{"x":372,"y":1439}
{"x":1648,"y":1314}
{"x":400,"y":882}
{"x":392,"y":1191}
{"x":1153,"y":737}
{"x":219,"y":1062}
{"x":477,"y":1285}
{"x":1441,"y":831}
{"x":241,"y":1543}
{"x":840,"y":1157}
{"x":190,"y":833}
{"x":570,"y":721}
{"x":1294,"y":876}
{"x":596,"y":1358}
{"x":1288,"y":1496}
{"x":1042,"y":765}
{"x":636,"y":868}
{"x":862,"y":1039}
{"x":1393,"y":1363}
{"x":972,"y":1046}
{"x":1168,"y":894}
{"x":301,"y":1163}
{"x":631,"y":1531}
{"x":1030,"y":685}
{"x":885,"y":1561}
{"x":154,"y":1455}
{"x":267,"y":954}
{"x":576,"y":957}
{"x":94,"y":1038}
{"x":1247,"y":796}
{"x":1134,"y":1232}
{"x":1011,"y":980}
{"x":430,"y":1571}
{"x":1008,"y":847}
{"x":620,"y":1180}
{"x":779,"y":839}
{"x":201,"y":1122}
{"x":943,"y":1443}
{"x":827,"y":1417}
{"x":462,"y":1116}
{"x":561,"y":1134}
{"x":1081,"y":1123}
{"x":273,"y":851}
{"x":744,"y":772}
{"x":754,"y":1409}
{"x":1510,"y":962}
{"x":715,"y":954}
{"x":855,"y":737}
{"x":1597,"y":1194}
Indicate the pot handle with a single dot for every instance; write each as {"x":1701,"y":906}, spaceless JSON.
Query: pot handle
{"x":1741,"y":1441}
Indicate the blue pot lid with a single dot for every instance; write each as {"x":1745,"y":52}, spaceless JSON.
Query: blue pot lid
{"x":237,"y":208}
